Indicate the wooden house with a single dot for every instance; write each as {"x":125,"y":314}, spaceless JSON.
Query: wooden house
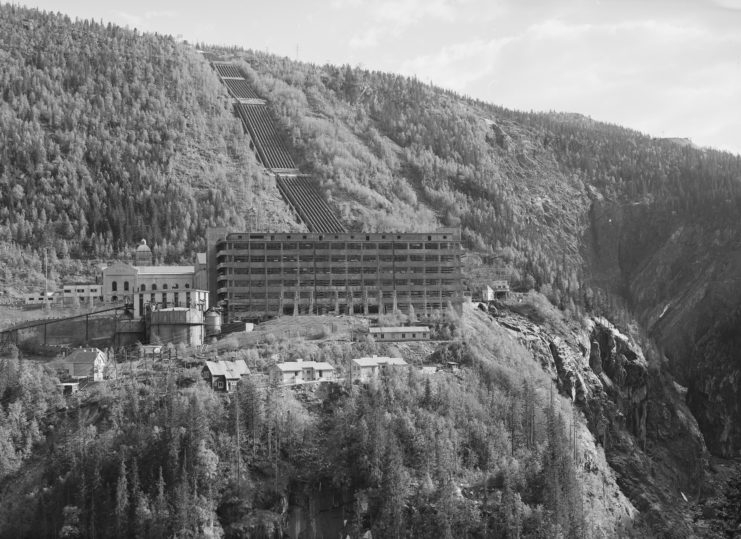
{"x":84,"y":364}
{"x":224,"y":375}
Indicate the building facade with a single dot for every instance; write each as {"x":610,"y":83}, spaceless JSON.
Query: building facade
{"x":161,"y":286}
{"x":351,"y":273}
{"x":299,"y":371}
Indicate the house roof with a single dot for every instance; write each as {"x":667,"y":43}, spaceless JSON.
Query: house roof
{"x":375,"y":361}
{"x":231,"y":370}
{"x":295,"y":366}
{"x":84,"y":355}
{"x":400,"y":329}
{"x":81,"y":362}
{"x":80,"y":370}
{"x":323,"y":366}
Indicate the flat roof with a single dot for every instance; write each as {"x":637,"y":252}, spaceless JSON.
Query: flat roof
{"x":169,"y":270}
{"x":375,"y":361}
{"x":437,"y":235}
{"x":400,"y":329}
{"x":295,"y":366}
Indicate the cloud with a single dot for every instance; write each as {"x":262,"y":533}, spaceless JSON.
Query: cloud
{"x":162,"y":14}
{"x":408,"y":12}
{"x":659,"y":76}
{"x":457,"y":66}
{"x":146,"y":20}
{"x":367,"y":39}
{"x":728,"y":4}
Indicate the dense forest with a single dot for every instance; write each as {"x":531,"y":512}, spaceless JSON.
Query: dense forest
{"x":161,"y":455}
{"x":108,"y":136}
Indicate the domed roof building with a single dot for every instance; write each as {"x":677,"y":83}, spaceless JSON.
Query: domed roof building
{"x":143,"y":254}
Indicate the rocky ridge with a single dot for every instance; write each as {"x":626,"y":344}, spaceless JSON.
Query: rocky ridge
{"x":634,"y":410}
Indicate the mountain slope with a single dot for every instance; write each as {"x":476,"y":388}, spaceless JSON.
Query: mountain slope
{"x":592,"y":214}
{"x":108,"y":136}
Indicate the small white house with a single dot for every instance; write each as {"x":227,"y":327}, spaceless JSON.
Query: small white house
{"x":365,"y":368}
{"x":300,"y":371}
{"x":401,"y":333}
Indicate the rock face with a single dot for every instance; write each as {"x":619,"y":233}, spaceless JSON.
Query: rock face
{"x":633,"y":409}
{"x":679,"y":274}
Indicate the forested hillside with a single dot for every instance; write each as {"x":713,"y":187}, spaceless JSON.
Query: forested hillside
{"x":108,"y":136}
{"x":396,"y":153}
{"x":596,"y":216}
{"x":487,"y":450}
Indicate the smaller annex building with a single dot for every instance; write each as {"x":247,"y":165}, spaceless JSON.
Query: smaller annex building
{"x":83,"y":364}
{"x":300,"y":371}
{"x":401,"y":333}
{"x":224,"y":375}
{"x":366,"y":368}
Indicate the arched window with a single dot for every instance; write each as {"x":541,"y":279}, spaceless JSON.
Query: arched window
{"x":164,"y":286}
{"x":187,"y":285}
{"x":114,"y":286}
{"x":144,"y":288}
{"x":154,"y":286}
{"x":126,"y":286}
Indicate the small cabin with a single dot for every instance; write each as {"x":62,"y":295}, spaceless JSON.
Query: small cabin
{"x":224,"y":375}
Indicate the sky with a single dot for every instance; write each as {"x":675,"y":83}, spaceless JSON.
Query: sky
{"x":667,"y":68}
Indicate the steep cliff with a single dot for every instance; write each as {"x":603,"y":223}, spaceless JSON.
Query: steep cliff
{"x":633,"y":408}
{"x":679,"y":275}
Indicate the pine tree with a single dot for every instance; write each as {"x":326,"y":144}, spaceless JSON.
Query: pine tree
{"x":122,"y":501}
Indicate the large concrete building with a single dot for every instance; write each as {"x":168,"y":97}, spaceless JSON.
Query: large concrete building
{"x":355,"y":273}
{"x":161,"y":286}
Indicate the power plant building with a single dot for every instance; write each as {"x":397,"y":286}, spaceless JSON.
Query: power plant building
{"x":253,"y":274}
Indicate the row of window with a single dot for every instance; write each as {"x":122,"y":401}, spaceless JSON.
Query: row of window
{"x":336,"y":282}
{"x":340,"y":259}
{"x":165,"y":301}
{"x":336,"y":246}
{"x":341,"y":294}
{"x":262,"y":305}
{"x":143,"y":287}
{"x":337,"y":270}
